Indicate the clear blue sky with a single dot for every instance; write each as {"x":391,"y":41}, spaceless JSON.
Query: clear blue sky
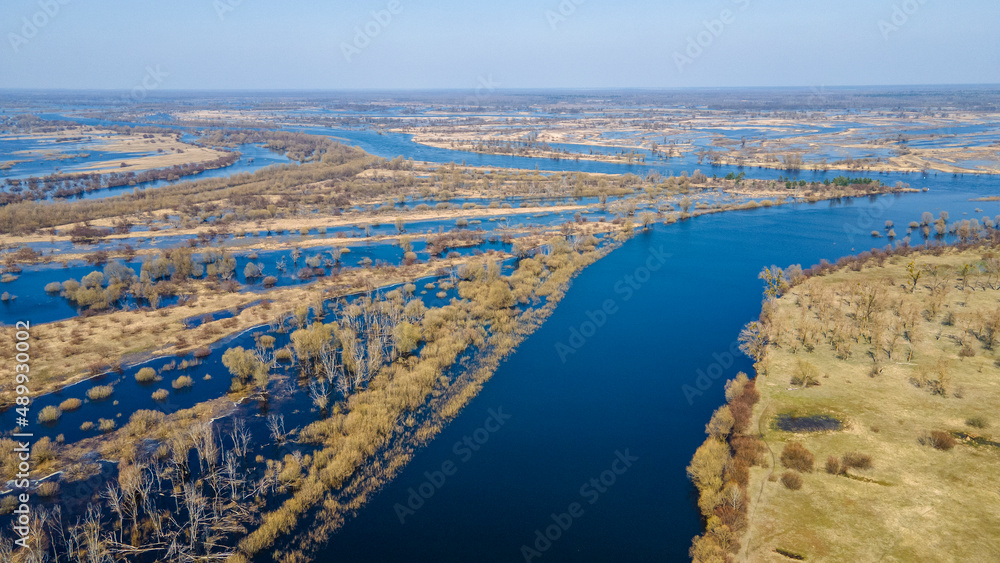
{"x":299,"y":44}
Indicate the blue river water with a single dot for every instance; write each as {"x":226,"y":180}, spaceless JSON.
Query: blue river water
{"x":671,"y":303}
{"x":622,"y":389}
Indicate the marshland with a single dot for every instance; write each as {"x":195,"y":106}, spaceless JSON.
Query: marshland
{"x":260,"y":364}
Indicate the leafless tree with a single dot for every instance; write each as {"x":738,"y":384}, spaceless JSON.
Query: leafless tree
{"x":276,"y":424}
{"x":319,"y":393}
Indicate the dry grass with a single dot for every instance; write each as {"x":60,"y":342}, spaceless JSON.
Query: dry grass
{"x":100,"y":392}
{"x":883,"y":495}
{"x":70,"y":405}
{"x":182,"y":382}
{"x":49,"y":414}
{"x":71,"y":350}
{"x":146,"y":375}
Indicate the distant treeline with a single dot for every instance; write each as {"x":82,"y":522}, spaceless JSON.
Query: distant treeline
{"x":69,"y":185}
{"x":338,"y":162}
{"x":28,"y":123}
{"x":299,"y":147}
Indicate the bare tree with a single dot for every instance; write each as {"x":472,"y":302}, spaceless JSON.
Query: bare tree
{"x":319,"y":393}
{"x":276,"y":424}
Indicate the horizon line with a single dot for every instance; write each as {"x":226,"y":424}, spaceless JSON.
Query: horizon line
{"x":520,"y":89}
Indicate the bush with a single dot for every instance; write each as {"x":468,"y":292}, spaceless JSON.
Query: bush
{"x":941,"y":440}
{"x":53,"y":287}
{"x":806,"y":374}
{"x":182,"y":382}
{"x":721,"y":423}
{"x":100,"y":392}
{"x":70,"y":405}
{"x":977,"y":422}
{"x":160,"y":395}
{"x":105,"y":424}
{"x":856,"y":460}
{"x":86,"y":426}
{"x":42,"y":451}
{"x":7,"y":504}
{"x":146,"y":375}
{"x":202,"y":353}
{"x":48,"y":489}
{"x":49,"y":414}
{"x":792,"y":480}
{"x":832,"y":465}
{"x":144,"y":420}
{"x":796,"y":456}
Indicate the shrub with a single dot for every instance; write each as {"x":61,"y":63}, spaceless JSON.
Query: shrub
{"x":86,"y":426}
{"x":791,"y":480}
{"x":941,"y":440}
{"x":202,"y":353}
{"x":49,"y":414}
{"x":53,"y":287}
{"x":146,"y":375}
{"x":7,"y":504}
{"x":806,"y":374}
{"x":100,"y":392}
{"x":832,"y":465}
{"x":42,"y":451}
{"x":283,"y":355}
{"x":721,"y":423}
{"x":856,"y":460}
{"x":749,"y":449}
{"x":160,"y":395}
{"x":143,"y":420}
{"x":48,"y":489}
{"x":977,"y":422}
{"x":796,"y":456}
{"x":70,"y":404}
{"x":105,"y":424}
{"x":182,"y":382}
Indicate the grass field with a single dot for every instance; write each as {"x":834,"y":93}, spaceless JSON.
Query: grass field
{"x":911,"y":368}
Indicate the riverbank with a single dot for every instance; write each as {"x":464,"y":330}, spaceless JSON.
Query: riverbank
{"x":876,"y":382}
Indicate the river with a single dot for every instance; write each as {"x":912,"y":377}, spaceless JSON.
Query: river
{"x":677,"y":297}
